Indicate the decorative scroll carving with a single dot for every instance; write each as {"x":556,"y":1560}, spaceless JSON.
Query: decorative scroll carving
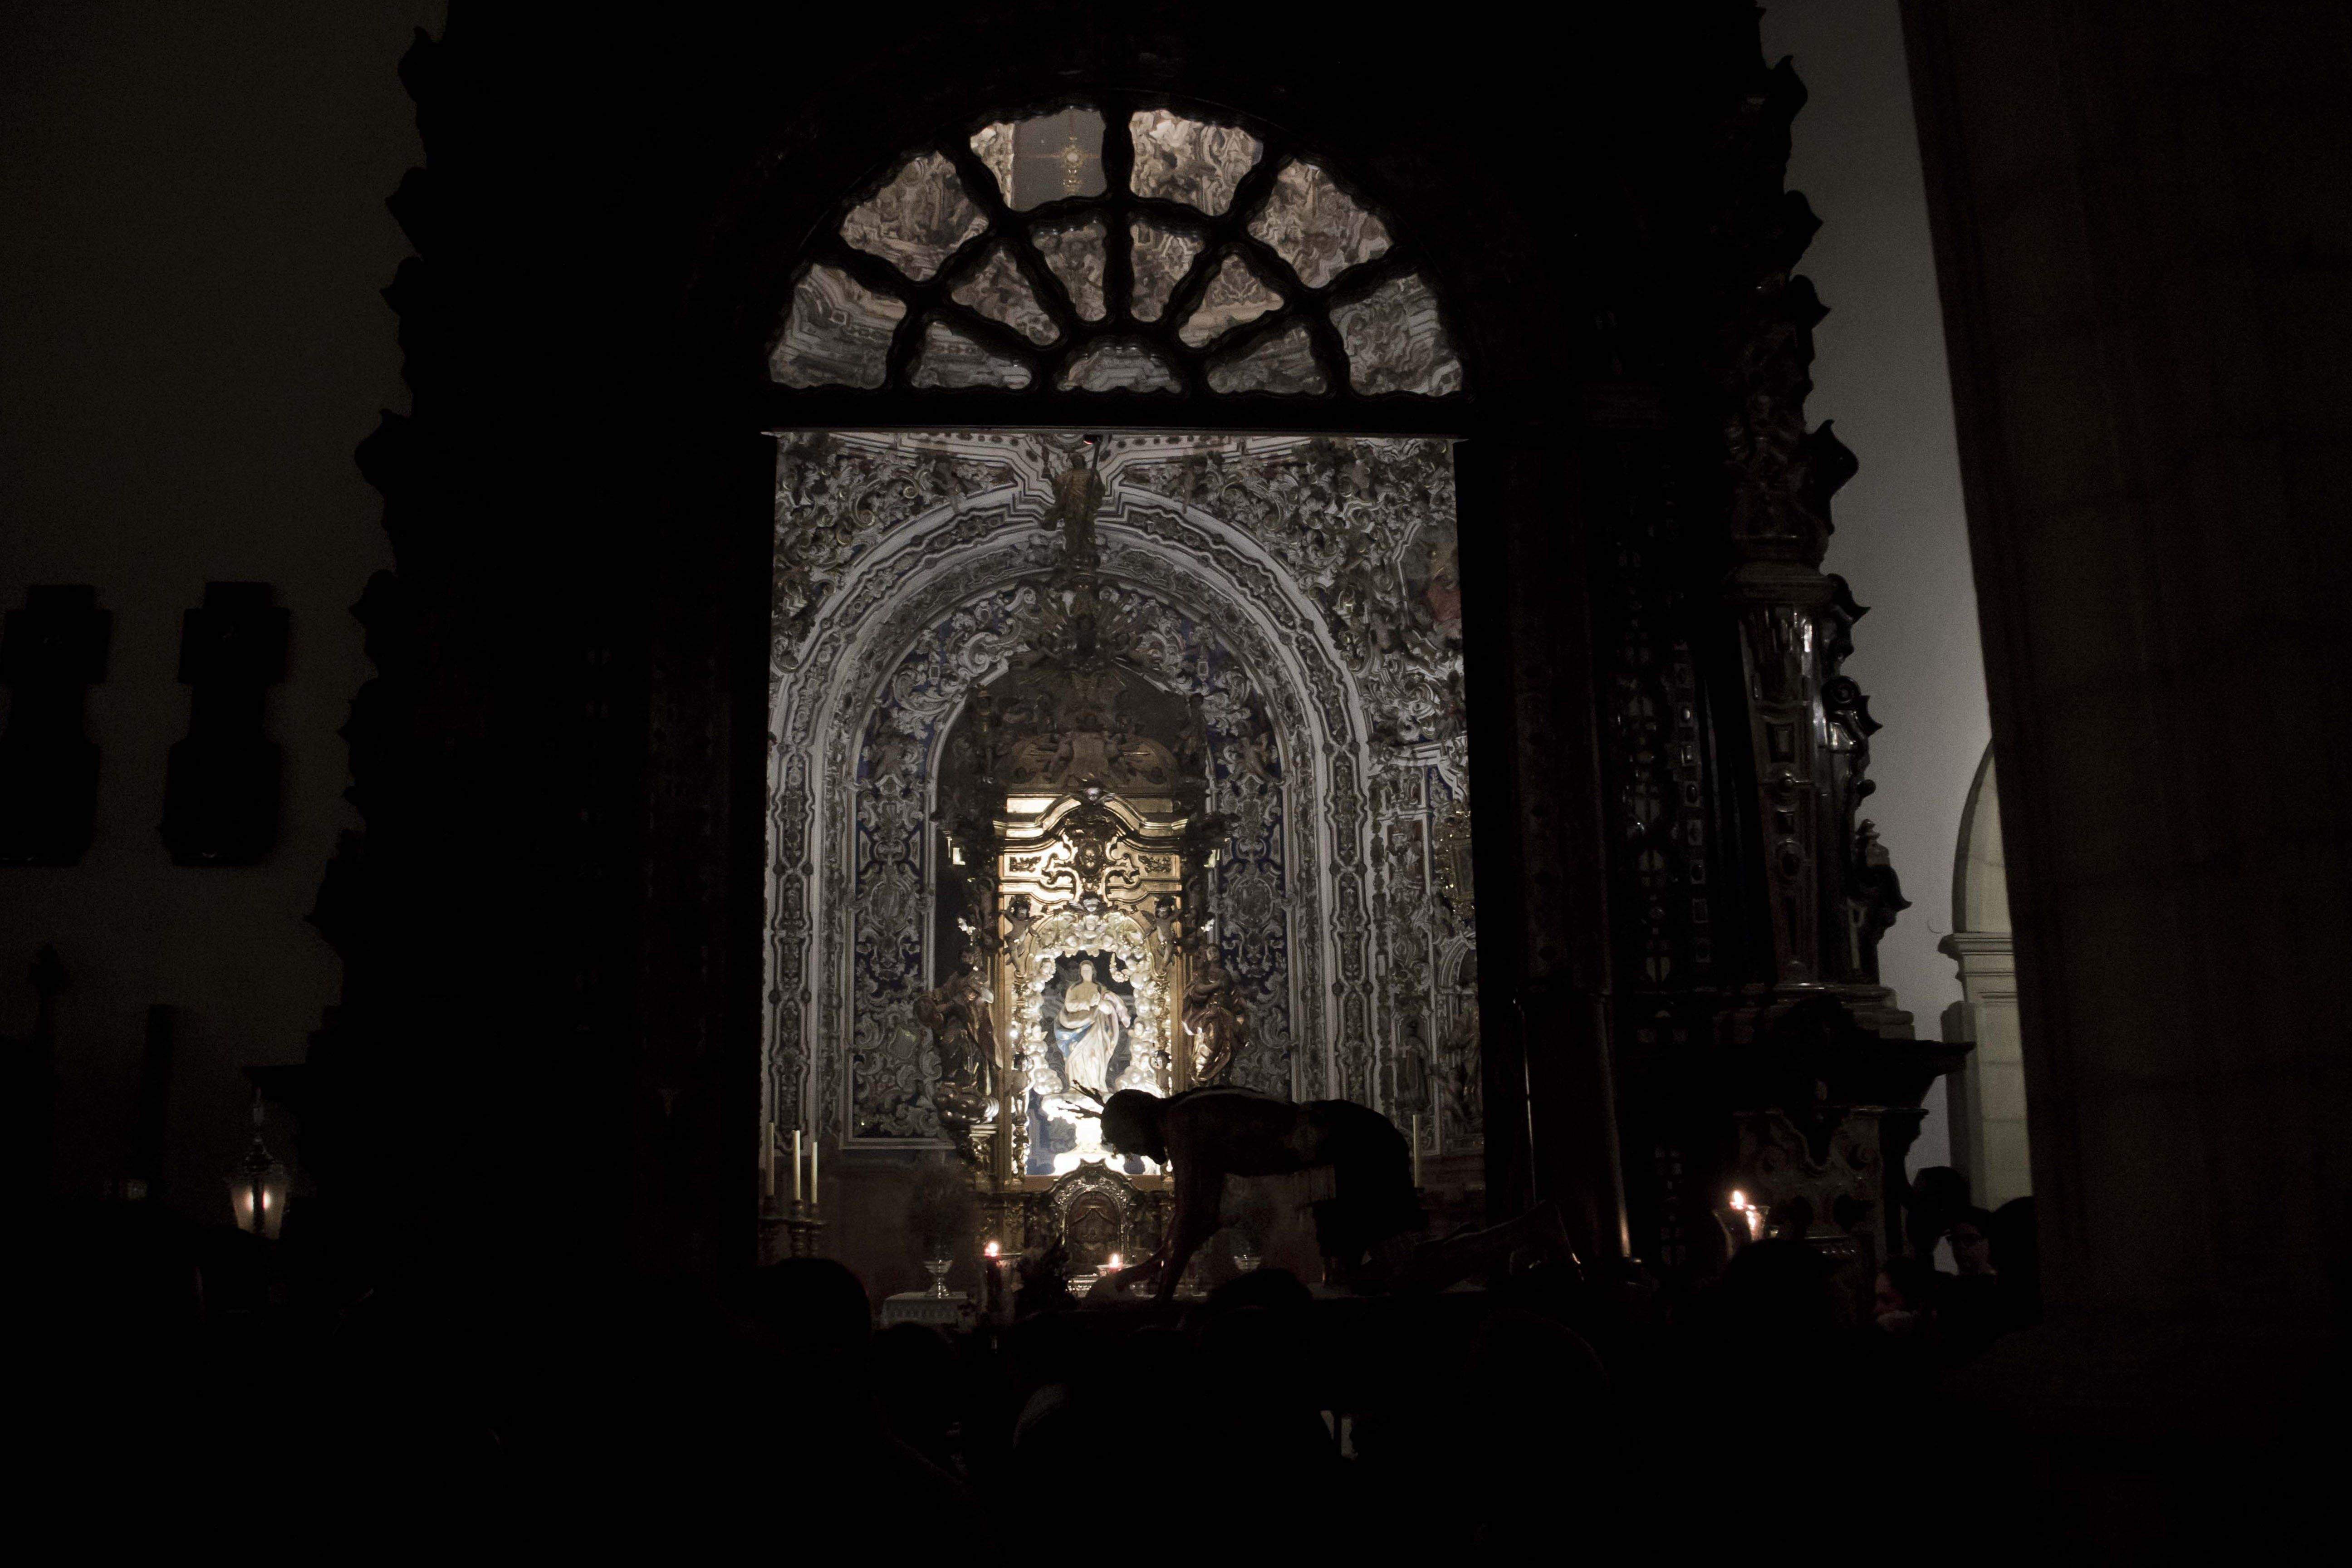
{"x":949,"y":358}
{"x":916,"y":220}
{"x":1281,"y":362}
{"x":1235,"y":294}
{"x":1808,"y":728}
{"x":1188,"y":160}
{"x":54,"y":650}
{"x":997,"y":289}
{"x":832,"y":500}
{"x":1094,"y":1212}
{"x":1162,"y":258}
{"x":1396,"y":342}
{"x":1316,"y":227}
{"x":837,"y":333}
{"x":1077,"y":254}
{"x":1333,"y":928}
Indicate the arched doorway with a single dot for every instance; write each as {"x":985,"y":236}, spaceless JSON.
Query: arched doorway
{"x":1295,"y":599}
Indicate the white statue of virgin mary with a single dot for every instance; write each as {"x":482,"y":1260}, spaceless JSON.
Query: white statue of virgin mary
{"x":1087,"y":1029}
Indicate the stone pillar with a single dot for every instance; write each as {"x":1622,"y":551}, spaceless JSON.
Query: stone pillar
{"x":1988,"y":1143}
{"x":2142,"y":251}
{"x":1988,"y":1094}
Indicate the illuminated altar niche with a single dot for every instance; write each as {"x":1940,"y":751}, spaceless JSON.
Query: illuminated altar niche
{"x":1301,"y":590}
{"x":1142,"y":868}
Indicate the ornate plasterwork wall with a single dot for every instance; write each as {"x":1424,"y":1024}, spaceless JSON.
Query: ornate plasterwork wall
{"x":1303,"y":589}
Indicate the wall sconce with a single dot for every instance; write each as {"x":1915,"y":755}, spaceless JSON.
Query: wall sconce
{"x":257,"y":1188}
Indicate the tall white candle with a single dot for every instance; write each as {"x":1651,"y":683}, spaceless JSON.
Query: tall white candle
{"x":1416,"y":1148}
{"x":812,"y":1173}
{"x":796,"y":1164}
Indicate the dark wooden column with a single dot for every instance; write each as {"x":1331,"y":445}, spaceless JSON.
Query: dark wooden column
{"x":1544,"y":972}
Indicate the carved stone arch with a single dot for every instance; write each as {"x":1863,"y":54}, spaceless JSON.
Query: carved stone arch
{"x":975,"y":544}
{"x":1980,"y":871}
{"x":1988,"y":1093}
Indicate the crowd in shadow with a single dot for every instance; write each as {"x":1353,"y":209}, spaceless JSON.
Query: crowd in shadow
{"x":1261,"y":1421}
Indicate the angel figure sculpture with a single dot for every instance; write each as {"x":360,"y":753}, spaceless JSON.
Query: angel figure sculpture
{"x":964,"y":1032}
{"x":1078,"y":493}
{"x":1216,"y":1021}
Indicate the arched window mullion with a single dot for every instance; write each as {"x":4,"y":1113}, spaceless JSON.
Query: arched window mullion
{"x":1013,"y":229}
{"x":1366,"y":275}
{"x":1301,"y":303}
{"x":881,"y":278}
{"x":1250,"y":194}
{"x":1118,"y":237}
{"x":1117,"y":210}
{"x":1243,"y":336}
{"x":991,"y":334}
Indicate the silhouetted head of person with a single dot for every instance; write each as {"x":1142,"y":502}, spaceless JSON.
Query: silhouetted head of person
{"x":1130,"y":1124}
{"x":1905,"y":1292}
{"x":1939,"y":1191}
{"x":1971,"y":1237}
{"x":2016,"y":1243}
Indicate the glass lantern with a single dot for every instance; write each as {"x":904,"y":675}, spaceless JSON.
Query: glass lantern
{"x":257,"y":1188}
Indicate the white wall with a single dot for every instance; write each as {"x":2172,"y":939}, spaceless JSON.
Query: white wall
{"x":191,"y":346}
{"x":1902,"y":538}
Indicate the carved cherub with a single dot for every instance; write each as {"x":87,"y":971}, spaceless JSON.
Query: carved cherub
{"x":1019,"y":916}
{"x":1166,"y":925}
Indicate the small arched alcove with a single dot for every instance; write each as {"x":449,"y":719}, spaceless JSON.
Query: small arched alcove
{"x":1988,"y":1102}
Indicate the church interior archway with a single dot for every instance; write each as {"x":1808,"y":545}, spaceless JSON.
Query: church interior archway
{"x":1185,"y":709}
{"x":1223,"y":755}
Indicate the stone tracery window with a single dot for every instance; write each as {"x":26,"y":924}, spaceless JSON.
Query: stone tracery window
{"x":1165,"y":253}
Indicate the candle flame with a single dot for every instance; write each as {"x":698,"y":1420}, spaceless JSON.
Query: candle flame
{"x":992,"y":1249}
{"x":1113,"y":1265}
{"x":1750,"y":1213}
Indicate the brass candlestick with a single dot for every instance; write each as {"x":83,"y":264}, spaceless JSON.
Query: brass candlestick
{"x":789,"y":1229}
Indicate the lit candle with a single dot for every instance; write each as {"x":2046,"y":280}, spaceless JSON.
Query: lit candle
{"x":812,"y":1173}
{"x":1112,"y":1264}
{"x":796,"y":1164}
